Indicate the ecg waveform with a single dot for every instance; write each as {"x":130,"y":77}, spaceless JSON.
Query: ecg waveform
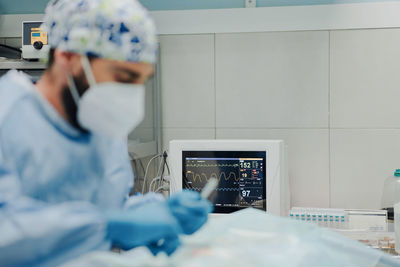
{"x":199,"y":177}
{"x":212,"y":165}
{"x":217,"y":189}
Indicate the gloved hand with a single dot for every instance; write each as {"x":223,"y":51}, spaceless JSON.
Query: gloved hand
{"x":150,"y":225}
{"x":190,"y":209}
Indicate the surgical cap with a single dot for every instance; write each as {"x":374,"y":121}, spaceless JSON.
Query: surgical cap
{"x":111,"y":29}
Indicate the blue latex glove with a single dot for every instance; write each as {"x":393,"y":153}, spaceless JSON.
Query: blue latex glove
{"x":190,"y":209}
{"x":150,"y":225}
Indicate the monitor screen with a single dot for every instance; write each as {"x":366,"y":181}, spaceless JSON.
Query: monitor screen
{"x":240,"y":174}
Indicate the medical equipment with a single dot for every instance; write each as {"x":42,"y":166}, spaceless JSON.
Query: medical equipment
{"x":330,"y":218}
{"x":351,"y":219}
{"x":397,"y":226}
{"x":34,"y":40}
{"x":391,"y":193}
{"x":371,"y":220}
{"x":250,"y":173}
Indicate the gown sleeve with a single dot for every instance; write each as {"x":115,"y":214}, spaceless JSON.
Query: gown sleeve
{"x":36,"y":233}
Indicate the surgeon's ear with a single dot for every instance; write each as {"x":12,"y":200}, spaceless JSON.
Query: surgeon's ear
{"x":68,"y":62}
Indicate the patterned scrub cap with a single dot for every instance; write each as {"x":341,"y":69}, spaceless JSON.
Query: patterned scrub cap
{"x":111,"y":29}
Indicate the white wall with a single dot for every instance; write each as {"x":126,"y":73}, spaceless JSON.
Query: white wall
{"x":331,"y":95}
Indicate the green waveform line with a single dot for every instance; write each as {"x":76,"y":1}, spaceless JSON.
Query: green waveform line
{"x":196,"y":176}
{"x":212,"y":165}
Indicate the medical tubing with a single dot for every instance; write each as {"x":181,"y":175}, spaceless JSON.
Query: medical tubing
{"x":155,"y":178}
{"x":166,"y":163}
{"x":152,"y":181}
{"x":161,"y":188}
{"x":160,"y":182}
{"x":147,"y":170}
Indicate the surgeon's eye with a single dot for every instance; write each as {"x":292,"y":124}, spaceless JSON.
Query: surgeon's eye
{"x":127,"y":76}
{"x":124,"y":78}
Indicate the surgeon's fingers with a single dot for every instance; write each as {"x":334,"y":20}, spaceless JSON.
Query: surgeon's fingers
{"x":191,"y":200}
{"x":202,"y":206}
{"x":171,"y":246}
{"x":195,"y":208}
{"x":192,"y":227}
{"x":185,"y":195}
{"x":167,"y":245}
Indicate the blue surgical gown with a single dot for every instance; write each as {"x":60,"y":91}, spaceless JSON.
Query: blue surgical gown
{"x":55,"y":182}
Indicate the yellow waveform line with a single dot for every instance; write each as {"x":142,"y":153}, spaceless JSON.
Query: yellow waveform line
{"x":213,"y":175}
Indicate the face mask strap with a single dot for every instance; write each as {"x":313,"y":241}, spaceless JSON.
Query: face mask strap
{"x":73,"y":89}
{"x":88,"y":70}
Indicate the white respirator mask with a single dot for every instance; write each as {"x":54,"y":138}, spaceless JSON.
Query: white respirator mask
{"x":111,"y":108}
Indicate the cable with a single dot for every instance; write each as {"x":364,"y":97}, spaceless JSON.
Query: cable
{"x":159,"y":173}
{"x":11,"y":48}
{"x":153,"y":181}
{"x":165,"y":156}
{"x":147,"y":170}
{"x":169,"y":172}
{"x":159,"y":181}
{"x":161,"y":188}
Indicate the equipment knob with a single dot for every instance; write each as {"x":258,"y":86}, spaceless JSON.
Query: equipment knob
{"x":38,"y":45}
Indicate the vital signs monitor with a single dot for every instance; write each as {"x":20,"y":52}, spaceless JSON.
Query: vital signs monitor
{"x":250,"y":173}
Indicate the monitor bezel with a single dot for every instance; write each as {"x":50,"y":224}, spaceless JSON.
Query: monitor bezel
{"x":278,"y":193}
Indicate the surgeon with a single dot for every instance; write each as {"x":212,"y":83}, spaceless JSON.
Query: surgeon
{"x":65,"y":174}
